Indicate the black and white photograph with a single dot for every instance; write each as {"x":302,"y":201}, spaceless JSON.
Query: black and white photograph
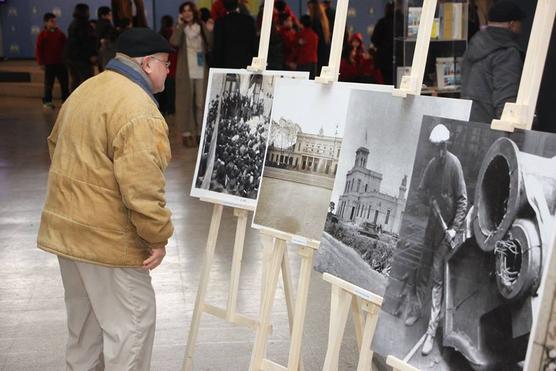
{"x":302,"y":157}
{"x":478,"y":226}
{"x":370,"y":192}
{"x":234,"y":136}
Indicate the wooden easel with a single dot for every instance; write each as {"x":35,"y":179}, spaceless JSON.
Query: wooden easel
{"x":201,"y":306}
{"x":276,"y":258}
{"x":275,"y":241}
{"x":412,"y":83}
{"x":229,"y":313}
{"x":520,"y":115}
{"x":346,"y":295}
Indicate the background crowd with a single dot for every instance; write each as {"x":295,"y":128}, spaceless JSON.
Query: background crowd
{"x":224,"y":36}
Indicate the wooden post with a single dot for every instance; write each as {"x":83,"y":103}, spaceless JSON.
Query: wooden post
{"x":273,"y":270}
{"x":331,"y":72}
{"x":344,"y":295}
{"x":259,"y":63}
{"x":230,"y":313}
{"x":521,"y":113}
{"x":412,"y":84}
{"x":274,"y":243}
{"x":203,"y":284}
{"x":398,"y":365}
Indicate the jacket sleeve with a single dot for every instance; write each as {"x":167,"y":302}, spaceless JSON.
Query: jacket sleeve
{"x":177,"y":35}
{"x":460,"y":196}
{"x":141,"y":154}
{"x":39,"y":50}
{"x":507,"y":66}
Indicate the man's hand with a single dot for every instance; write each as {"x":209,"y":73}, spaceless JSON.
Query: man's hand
{"x":156,"y":253}
{"x":451,"y":234}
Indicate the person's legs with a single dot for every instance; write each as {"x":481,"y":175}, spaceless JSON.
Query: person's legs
{"x":124,"y":302}
{"x":49,"y":75}
{"x":62,"y":76}
{"x":439,"y":255}
{"x":199,"y":105}
{"x":84,"y":346}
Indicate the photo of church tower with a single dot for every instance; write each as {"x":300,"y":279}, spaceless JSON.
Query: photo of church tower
{"x":364,"y":202}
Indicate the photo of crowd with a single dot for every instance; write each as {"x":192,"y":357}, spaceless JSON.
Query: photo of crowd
{"x":234,"y":137}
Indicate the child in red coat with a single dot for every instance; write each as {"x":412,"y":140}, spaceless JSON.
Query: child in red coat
{"x":49,"y":52}
{"x":289,"y":38}
{"x":306,"y":47}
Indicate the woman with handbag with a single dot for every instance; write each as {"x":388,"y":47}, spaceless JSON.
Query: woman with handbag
{"x":193,"y":40}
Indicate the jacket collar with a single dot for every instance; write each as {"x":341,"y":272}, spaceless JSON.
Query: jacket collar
{"x":126,"y":66}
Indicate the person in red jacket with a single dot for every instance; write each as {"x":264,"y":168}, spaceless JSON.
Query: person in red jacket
{"x":357,"y":65}
{"x":289,"y":37}
{"x":306,"y":48}
{"x":49,"y":52}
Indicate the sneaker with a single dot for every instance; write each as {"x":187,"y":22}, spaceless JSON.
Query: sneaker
{"x":427,"y":345}
{"x":48,"y":105}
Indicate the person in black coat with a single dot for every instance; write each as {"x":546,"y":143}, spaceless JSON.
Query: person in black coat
{"x":235,"y":38}
{"x":493,"y":62}
{"x":81,"y":48}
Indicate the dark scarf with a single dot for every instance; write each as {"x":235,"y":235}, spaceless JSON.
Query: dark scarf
{"x":132,"y":71}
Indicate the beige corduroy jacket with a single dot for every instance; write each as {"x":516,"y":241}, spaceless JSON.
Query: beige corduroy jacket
{"x":105,"y":201}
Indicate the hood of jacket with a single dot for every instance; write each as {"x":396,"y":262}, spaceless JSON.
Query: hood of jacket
{"x":489,"y":40}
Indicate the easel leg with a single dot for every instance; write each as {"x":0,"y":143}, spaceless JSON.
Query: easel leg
{"x":202,"y":291}
{"x":259,"y":349}
{"x":339,"y":310}
{"x":357,"y":319}
{"x":288,"y":291}
{"x":236,"y":263}
{"x":365,"y":352}
{"x":294,"y":361}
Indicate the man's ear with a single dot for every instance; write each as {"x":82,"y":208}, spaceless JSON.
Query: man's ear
{"x":146,"y":65}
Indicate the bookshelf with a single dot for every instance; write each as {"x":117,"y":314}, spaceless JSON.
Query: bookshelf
{"x":448,"y":44}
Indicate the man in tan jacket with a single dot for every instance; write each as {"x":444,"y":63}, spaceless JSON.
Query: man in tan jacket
{"x":105,"y":213}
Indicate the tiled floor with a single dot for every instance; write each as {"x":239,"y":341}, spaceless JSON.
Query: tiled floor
{"x":32,"y":312}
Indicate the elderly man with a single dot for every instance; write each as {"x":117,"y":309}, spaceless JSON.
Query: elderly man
{"x":105,"y":215}
{"x":443,"y":190}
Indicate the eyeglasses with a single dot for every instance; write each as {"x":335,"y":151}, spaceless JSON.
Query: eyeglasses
{"x":166,"y":63}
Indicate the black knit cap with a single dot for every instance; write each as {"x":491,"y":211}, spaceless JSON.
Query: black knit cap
{"x":141,"y":41}
{"x":505,"y":11}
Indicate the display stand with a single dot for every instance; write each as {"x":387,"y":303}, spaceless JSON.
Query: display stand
{"x":275,"y":241}
{"x":412,"y":83}
{"x":275,"y":252}
{"x":398,"y":365}
{"x":520,"y":115}
{"x":346,"y":295}
{"x":258,"y":64}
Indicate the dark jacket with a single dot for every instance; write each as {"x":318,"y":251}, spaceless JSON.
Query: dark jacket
{"x":491,"y":72}
{"x":82,"y":42}
{"x":235,"y":41}
{"x":443,"y":181}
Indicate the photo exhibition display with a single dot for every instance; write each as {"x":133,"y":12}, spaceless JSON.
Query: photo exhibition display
{"x":234,"y":136}
{"x":370,"y":192}
{"x":308,"y":121}
{"x":467,"y":263}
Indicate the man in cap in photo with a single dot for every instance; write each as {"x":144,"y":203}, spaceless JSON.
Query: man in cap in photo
{"x":443,"y":190}
{"x":493,"y":62}
{"x":105,"y":213}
